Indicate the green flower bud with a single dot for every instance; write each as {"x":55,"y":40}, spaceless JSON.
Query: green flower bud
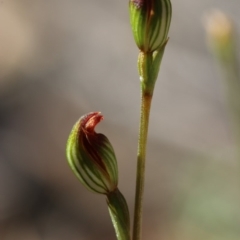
{"x":91,"y":155}
{"x":150,"y":21}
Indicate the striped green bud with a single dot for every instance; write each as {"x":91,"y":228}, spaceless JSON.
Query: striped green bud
{"x":91,"y":155}
{"x":150,"y":21}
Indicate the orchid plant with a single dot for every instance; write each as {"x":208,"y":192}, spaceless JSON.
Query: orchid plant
{"x":91,"y":155}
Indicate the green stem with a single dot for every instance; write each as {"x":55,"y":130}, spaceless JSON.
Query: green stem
{"x":119,"y":213}
{"x":146,"y":98}
{"x":148,"y":68}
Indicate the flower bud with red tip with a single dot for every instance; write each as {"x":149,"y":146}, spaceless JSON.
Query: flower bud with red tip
{"x":91,"y":155}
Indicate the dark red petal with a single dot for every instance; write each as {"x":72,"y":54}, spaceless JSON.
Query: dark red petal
{"x":90,"y":140}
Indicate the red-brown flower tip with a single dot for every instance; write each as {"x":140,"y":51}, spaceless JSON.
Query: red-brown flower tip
{"x":138,"y":3}
{"x":89,"y":122}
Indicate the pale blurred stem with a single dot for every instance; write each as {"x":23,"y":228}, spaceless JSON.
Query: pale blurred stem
{"x":146,"y":98}
{"x":229,"y":65}
{"x":234,"y":102}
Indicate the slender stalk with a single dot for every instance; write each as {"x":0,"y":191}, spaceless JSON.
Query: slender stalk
{"x":146,"y":99}
{"x":148,"y":67}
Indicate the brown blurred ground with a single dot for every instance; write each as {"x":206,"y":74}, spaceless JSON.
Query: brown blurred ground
{"x":61,"y":59}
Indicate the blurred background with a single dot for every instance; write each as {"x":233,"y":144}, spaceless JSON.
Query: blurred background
{"x":62,"y":59}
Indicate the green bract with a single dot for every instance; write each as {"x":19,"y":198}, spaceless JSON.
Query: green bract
{"x":91,"y":155}
{"x":150,"y":21}
{"x":119,"y":213}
